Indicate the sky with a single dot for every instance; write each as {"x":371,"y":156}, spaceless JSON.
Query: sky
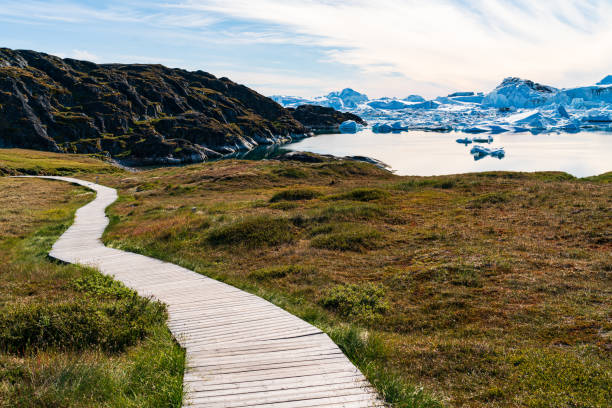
{"x":312,"y":47}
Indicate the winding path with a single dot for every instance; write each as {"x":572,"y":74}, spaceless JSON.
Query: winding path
{"x":242,"y":351}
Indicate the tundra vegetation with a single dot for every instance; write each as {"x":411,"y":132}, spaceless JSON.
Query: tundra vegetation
{"x":70,"y":336}
{"x":488,"y":289}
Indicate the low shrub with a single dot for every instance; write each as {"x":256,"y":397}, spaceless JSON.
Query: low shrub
{"x":253,"y":232}
{"x":101,"y":285}
{"x":357,"y":240}
{"x":279,"y":272}
{"x":111,"y":326}
{"x":435,"y":183}
{"x":290,"y":172}
{"x":284,"y":206}
{"x":489,"y":198}
{"x":349,"y":213}
{"x":361,"y":194}
{"x":352,"y":300}
{"x":295,"y":194}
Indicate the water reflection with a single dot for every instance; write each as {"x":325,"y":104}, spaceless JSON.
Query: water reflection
{"x":435,"y":153}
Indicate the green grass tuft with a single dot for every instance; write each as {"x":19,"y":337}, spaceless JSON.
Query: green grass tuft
{"x":253,"y":232}
{"x":361,"y":194}
{"x":295,"y":194}
{"x":351,"y":300}
{"x":279,"y":272}
{"x":357,"y":239}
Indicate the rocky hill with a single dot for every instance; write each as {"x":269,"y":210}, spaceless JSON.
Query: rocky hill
{"x":321,"y":119}
{"x":137,"y":114}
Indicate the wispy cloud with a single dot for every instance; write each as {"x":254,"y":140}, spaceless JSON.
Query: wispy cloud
{"x":457,"y":43}
{"x":384,"y":47}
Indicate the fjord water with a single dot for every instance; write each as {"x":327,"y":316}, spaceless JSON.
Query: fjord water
{"x":422,"y":153}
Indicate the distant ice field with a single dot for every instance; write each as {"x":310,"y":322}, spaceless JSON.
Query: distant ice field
{"x":423,"y":153}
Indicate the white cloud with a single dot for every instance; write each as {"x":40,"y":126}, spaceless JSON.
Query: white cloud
{"x":84,"y":55}
{"x":448,"y":44}
{"x":398,"y":46}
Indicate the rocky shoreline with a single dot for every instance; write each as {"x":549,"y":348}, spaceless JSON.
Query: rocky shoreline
{"x":140,"y":115}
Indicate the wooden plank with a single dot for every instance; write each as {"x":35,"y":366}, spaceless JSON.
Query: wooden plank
{"x":242,"y":351}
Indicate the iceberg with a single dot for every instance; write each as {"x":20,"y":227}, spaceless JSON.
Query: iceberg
{"x":381,"y":128}
{"x":464,"y":140}
{"x":349,"y":126}
{"x":598,"y":118}
{"x":479,"y":152}
{"x":474,"y":129}
{"x":515,"y":105}
{"x":399,"y":125}
{"x":563,"y":112}
{"x":461,"y":94}
{"x":606,"y":81}
{"x":488,"y":139}
{"x":519,"y":93}
{"x":497,"y":129}
{"x":469,"y":99}
{"x":348,"y":97}
{"x":387,"y":103}
{"x":499,"y":153}
{"x":414,"y":98}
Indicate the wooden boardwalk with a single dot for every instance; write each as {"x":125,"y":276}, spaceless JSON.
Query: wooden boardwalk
{"x":242,"y":351}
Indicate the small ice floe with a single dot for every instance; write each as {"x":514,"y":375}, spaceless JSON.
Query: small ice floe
{"x":482,"y":139}
{"x":349,"y":126}
{"x":474,"y":129}
{"x":464,"y":140}
{"x":381,"y":128}
{"x":399,"y":126}
{"x":499,"y":153}
{"x":520,"y":129}
{"x":497,"y":129}
{"x":480,"y":151}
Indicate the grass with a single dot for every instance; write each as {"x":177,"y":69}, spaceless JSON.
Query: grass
{"x":361,"y":194}
{"x":253,"y":232}
{"x":20,"y":161}
{"x":295,"y":194}
{"x":70,"y":336}
{"x":349,"y":239}
{"x":479,"y":290}
{"x":358,"y":301}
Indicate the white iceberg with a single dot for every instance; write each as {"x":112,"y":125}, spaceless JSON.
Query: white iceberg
{"x":519,"y":93}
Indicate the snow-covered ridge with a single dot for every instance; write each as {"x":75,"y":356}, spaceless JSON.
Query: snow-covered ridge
{"x":516,"y":105}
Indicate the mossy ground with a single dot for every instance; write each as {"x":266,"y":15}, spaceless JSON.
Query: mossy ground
{"x":20,"y":161}
{"x":69,"y":336}
{"x":489,"y":289}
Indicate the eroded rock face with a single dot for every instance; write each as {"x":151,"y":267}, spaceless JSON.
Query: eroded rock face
{"x":323,"y":119}
{"x":138,"y":114}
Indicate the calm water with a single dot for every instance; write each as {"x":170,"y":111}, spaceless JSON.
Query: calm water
{"x":428,"y":153}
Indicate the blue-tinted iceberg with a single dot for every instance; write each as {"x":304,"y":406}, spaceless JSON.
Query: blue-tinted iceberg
{"x":382,"y":128}
{"x":516,"y":105}
{"x":606,"y":81}
{"x":414,"y":98}
{"x":349,"y":126}
{"x":388,"y":103}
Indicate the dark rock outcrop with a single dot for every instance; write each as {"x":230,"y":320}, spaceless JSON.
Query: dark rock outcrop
{"x":137,"y":114}
{"x":321,"y":119}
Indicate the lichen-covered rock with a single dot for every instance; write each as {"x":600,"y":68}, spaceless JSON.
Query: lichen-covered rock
{"x":137,"y":114}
